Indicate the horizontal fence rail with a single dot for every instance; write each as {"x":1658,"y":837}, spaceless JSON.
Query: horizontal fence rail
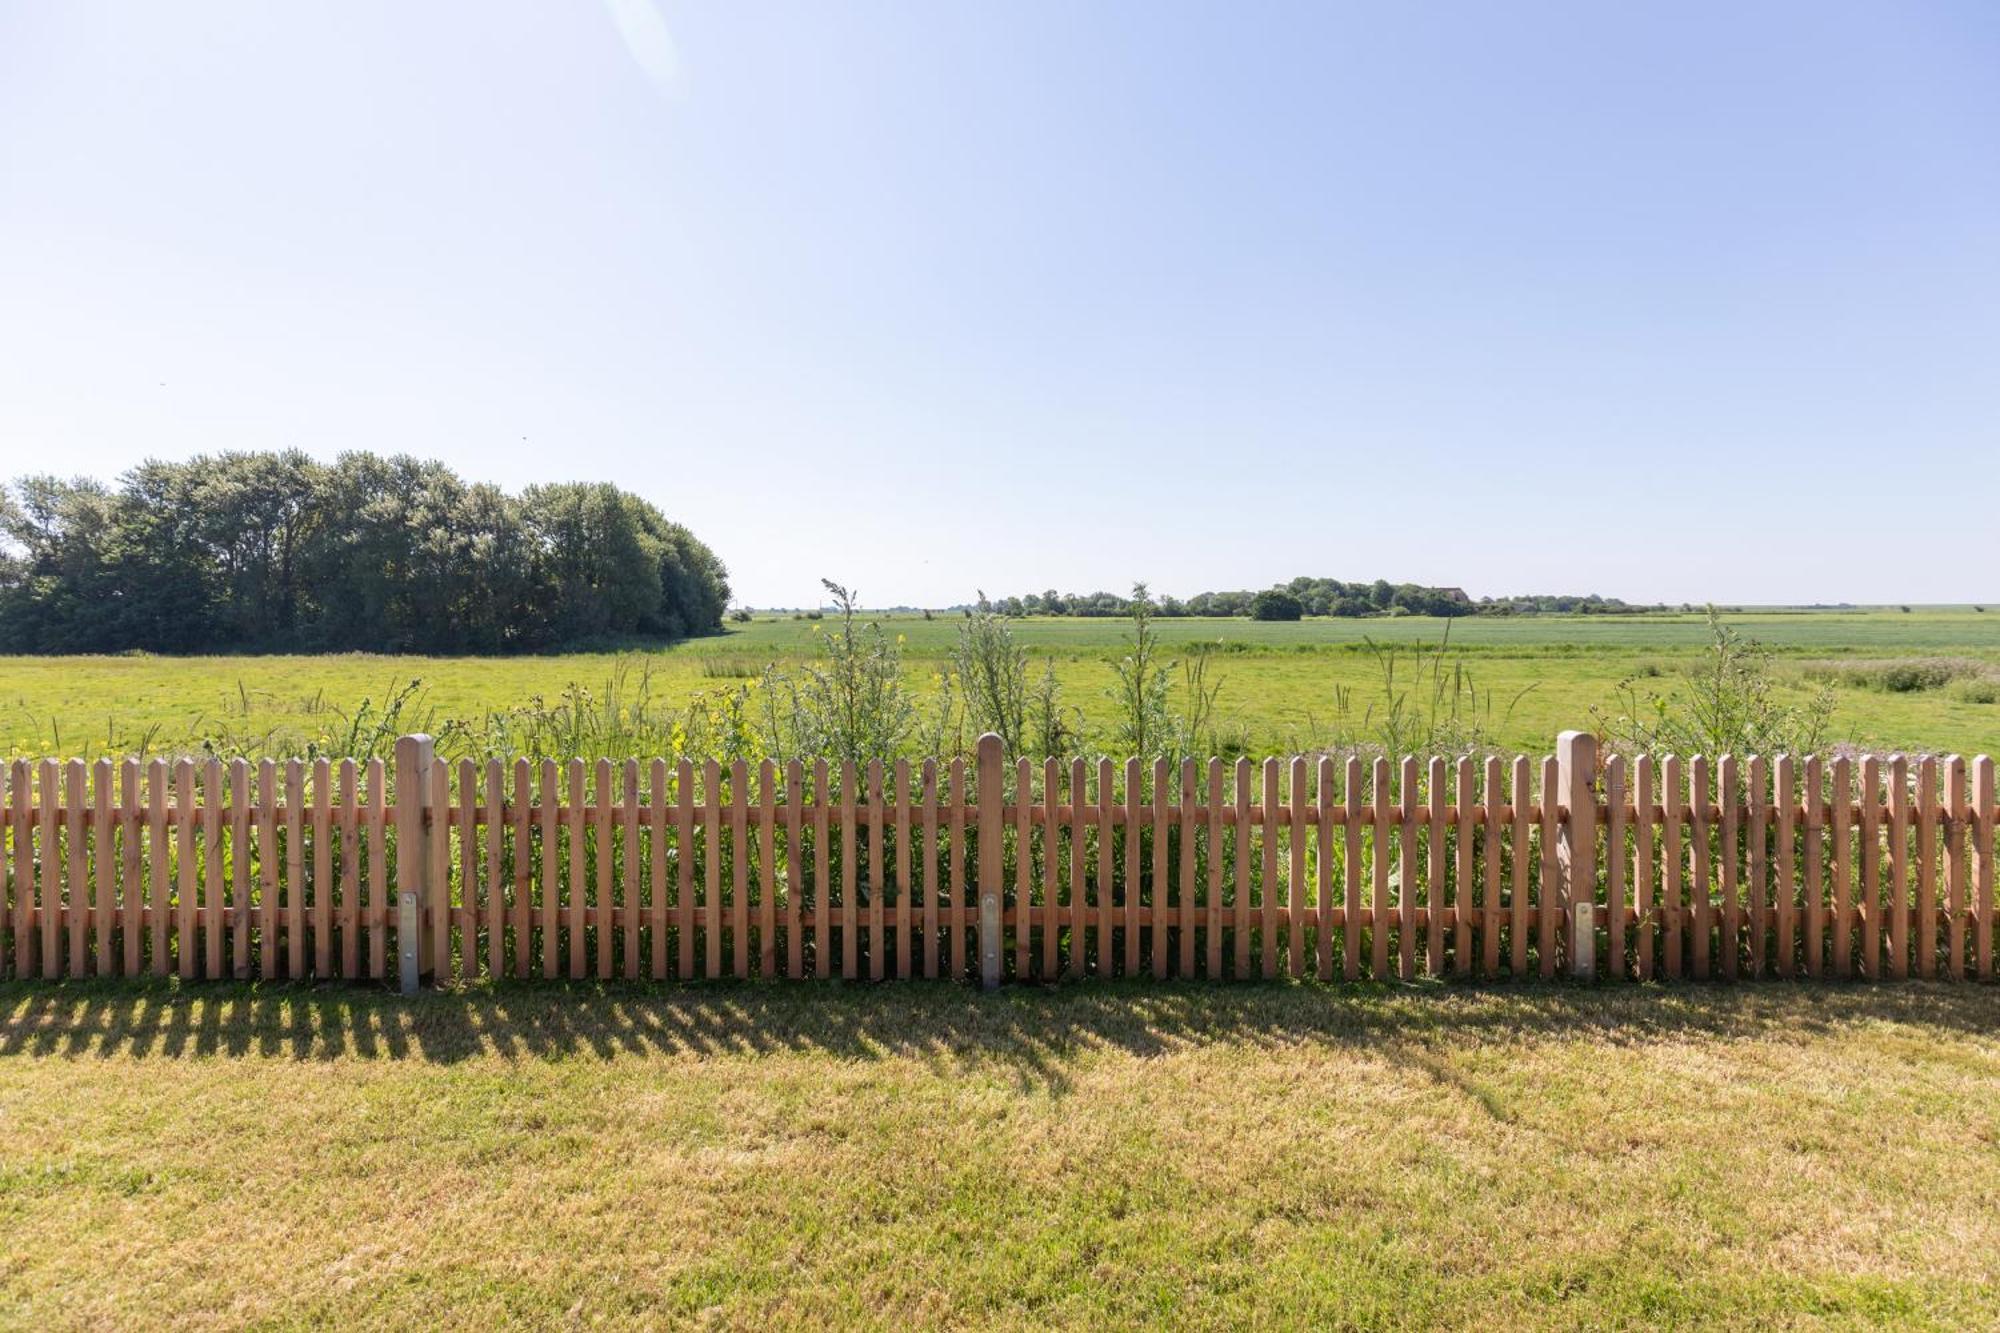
{"x":1641,"y":868}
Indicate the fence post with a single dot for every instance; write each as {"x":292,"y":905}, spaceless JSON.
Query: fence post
{"x":414,"y":755}
{"x":992,"y":792}
{"x":1576,"y":846}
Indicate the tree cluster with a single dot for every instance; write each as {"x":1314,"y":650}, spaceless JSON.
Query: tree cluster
{"x":1310,"y":597}
{"x":276,"y":552}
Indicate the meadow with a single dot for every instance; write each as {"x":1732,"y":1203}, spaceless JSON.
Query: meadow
{"x":1285,"y":687}
{"x":920,"y":1155}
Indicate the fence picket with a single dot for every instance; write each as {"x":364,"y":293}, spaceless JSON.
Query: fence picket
{"x":1843,"y":868}
{"x":1785,"y":860}
{"x":1813,"y":890}
{"x":551,"y":866}
{"x":1185,"y":918}
{"x":521,"y":910}
{"x":1295,"y":869}
{"x":23,"y":918}
{"x":1518,"y":901}
{"x":1698,"y":881}
{"x":1614,"y":868}
{"x":1128,"y":815}
{"x":1162,"y":866}
{"x":1870,"y":888}
{"x":767,"y":871}
{"x":1645,"y":921}
{"x":76,"y":888}
{"x":1212,"y":940}
{"x":379,"y":894}
{"x":105,"y":848}
{"x":739,"y":865}
{"x":1406,"y":872}
{"x":1729,"y":916}
{"x":186,"y":864}
{"x":850,"y":880}
{"x":1462,"y":918}
{"x":322,"y":868}
{"x":684,"y":906}
{"x":795,"y":798}
{"x":1548,"y":901}
{"x":293,"y":891}
{"x":930,"y":913}
{"x":1023,"y":869}
{"x":1897,"y":927}
{"x":350,"y":870}
{"x":1982,"y":864}
{"x":1240,"y":940}
{"x":574,"y":910}
{"x":1051,"y":866}
{"x":876,"y":950}
{"x":823,"y":873}
{"x":1350,"y":870}
{"x":1756,"y":889}
{"x":1378,"y":915}
{"x":1673,"y":923}
{"x":1107,"y":933}
{"x":1954,"y":867}
{"x":1323,"y":863}
{"x":955,"y":826}
{"x":495,"y":904}
{"x":1927,"y":850}
{"x":660,"y":812}
{"x":437,"y":847}
{"x":907,"y":879}
{"x":1434,"y":872}
{"x":603,"y":915}
{"x":711,"y":848}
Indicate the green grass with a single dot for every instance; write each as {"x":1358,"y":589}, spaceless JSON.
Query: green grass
{"x":1280,"y":681}
{"x":806,"y":1156}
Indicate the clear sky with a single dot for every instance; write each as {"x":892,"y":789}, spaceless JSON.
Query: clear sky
{"x":1663,"y":301}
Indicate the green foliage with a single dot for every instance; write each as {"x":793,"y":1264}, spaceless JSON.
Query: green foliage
{"x":1143,"y":723}
{"x":1147,"y":725}
{"x":1426,"y":702}
{"x":849,"y":705}
{"x":1276,"y":604}
{"x":275,"y":551}
{"x":1726,"y":705}
{"x":1902,"y":676}
{"x":993,"y":671}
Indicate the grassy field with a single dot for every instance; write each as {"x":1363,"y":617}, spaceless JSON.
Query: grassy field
{"x":1100,"y":1156}
{"x":1282,"y":683}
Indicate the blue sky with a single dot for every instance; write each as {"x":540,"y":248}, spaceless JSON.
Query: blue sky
{"x":1671,"y":301}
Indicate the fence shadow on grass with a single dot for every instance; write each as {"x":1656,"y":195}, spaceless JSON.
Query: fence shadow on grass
{"x":1035,"y":1035}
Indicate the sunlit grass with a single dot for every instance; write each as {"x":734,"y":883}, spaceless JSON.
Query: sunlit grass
{"x":1100,"y":1156}
{"x":1280,"y":683}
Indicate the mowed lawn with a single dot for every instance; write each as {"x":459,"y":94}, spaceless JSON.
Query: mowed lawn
{"x":922,"y":1155}
{"x":1284,"y":686}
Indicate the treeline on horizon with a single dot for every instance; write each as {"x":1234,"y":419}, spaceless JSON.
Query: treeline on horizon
{"x":1312,"y":597}
{"x":276,"y":552}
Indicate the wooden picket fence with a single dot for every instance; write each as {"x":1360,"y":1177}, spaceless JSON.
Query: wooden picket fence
{"x":1648,"y":868}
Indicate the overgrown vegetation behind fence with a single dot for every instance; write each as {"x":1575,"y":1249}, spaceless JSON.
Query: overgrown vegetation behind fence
{"x":1642,"y":868}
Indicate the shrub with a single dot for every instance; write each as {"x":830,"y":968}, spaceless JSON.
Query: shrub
{"x":1427,"y":703}
{"x":1276,"y":604}
{"x":851,"y":705}
{"x":1141,"y":692}
{"x":1726,"y":706}
{"x":1901,"y":676}
{"x":993,"y":671}
{"x":1983,"y":690}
